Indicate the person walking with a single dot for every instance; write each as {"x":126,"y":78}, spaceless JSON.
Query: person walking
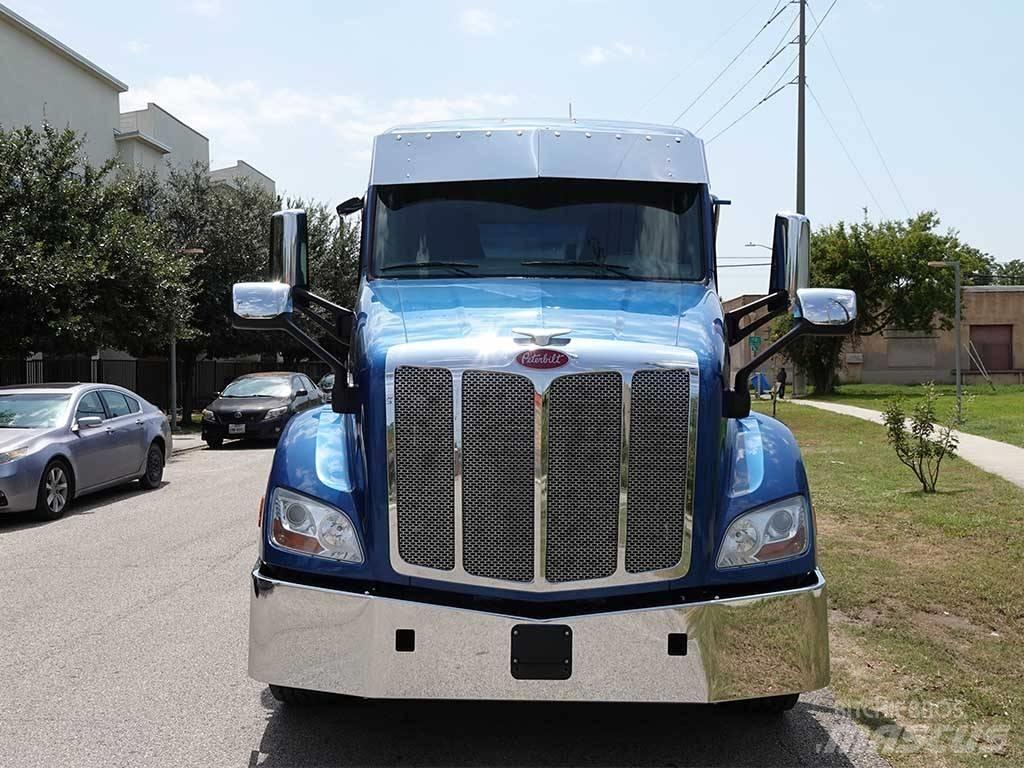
{"x":780,"y":377}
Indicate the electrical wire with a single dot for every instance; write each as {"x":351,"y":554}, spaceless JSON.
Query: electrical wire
{"x":860,"y":114}
{"x":702,"y":54}
{"x":846,"y":151}
{"x":734,"y":59}
{"x":737,"y":266}
{"x":758,"y":104}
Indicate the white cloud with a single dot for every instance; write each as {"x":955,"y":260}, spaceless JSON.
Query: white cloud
{"x":207,"y":8}
{"x":478,"y":22}
{"x":597,"y":55}
{"x":249,"y":120}
{"x":136,"y":47}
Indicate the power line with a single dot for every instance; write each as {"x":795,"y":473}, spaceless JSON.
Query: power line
{"x":779,"y":48}
{"x":846,"y":151}
{"x":702,"y":54}
{"x":775,"y":88}
{"x":775,"y":15}
{"x":860,"y":114}
{"x":752,"y":264}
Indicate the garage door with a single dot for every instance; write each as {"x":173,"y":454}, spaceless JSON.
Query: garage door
{"x":995,"y":345}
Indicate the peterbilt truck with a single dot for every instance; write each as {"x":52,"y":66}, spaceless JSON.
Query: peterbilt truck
{"x":538,"y":478}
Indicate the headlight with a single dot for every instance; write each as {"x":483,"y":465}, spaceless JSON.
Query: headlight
{"x":17,"y":453}
{"x":300,"y":524}
{"x":275,"y":413}
{"x":208,"y":415}
{"x":778,"y":531}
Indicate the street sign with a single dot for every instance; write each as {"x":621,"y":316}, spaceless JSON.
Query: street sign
{"x":755,"y":344}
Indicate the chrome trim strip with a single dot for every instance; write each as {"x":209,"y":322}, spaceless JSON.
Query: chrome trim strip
{"x":297,"y":634}
{"x":585,"y":356}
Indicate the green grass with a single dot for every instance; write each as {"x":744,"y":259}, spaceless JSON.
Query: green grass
{"x":927,"y":590}
{"x":998,"y":415}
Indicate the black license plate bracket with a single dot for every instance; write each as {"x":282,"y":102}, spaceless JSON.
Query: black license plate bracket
{"x":541,"y":652}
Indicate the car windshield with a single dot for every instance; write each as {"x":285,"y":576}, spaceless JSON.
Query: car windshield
{"x":34,"y":410}
{"x":258,"y":386}
{"x":539,"y":228}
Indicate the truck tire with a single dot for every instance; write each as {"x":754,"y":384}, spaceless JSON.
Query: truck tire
{"x":298,"y":697}
{"x":768,"y":706}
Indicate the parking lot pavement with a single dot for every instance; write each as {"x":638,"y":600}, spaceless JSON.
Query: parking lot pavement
{"x":123,"y":632}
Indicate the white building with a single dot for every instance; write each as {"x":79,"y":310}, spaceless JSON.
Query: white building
{"x":242,"y":170}
{"x":42,"y":80}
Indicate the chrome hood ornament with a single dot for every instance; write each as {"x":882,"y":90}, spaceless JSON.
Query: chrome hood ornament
{"x":542,"y":337}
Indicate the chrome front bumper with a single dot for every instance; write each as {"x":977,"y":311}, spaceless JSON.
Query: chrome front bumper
{"x":341,"y":642}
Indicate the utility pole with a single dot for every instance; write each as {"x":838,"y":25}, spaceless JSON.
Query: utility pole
{"x":801,"y":85}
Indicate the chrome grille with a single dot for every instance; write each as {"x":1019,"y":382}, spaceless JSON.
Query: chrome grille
{"x":425,"y":466}
{"x":583,"y":476}
{"x":658,"y":455}
{"x":497,"y":475}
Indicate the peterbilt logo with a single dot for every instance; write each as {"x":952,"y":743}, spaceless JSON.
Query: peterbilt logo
{"x":542,"y":358}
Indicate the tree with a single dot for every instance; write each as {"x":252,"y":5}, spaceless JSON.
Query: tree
{"x":81,"y":262}
{"x":886,"y":265}
{"x":922,"y":447}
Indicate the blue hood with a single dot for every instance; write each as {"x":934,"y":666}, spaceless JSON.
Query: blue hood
{"x":668,"y":313}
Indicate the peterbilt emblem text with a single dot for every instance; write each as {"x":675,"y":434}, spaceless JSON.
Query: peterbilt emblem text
{"x":542,"y":358}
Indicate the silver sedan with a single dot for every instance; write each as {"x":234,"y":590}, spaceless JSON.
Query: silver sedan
{"x":60,"y":441}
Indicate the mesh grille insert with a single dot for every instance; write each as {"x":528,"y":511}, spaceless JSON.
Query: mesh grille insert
{"x":658,"y":459}
{"x":583,"y":476}
{"x":497,"y":475}
{"x":424,"y":467}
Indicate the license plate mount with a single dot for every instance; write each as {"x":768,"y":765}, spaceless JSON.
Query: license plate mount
{"x":541,"y":652}
{"x":236,"y":429}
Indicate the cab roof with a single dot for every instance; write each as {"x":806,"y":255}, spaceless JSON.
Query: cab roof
{"x":521,"y":148}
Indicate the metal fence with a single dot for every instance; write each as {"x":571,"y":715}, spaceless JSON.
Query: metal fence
{"x":149,"y":378}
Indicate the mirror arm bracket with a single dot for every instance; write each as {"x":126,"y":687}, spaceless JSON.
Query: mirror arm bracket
{"x":344,"y":318}
{"x":776,"y":304}
{"x":736,"y":401}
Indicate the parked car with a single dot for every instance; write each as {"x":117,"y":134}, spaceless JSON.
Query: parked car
{"x":326,"y":385}
{"x":258,"y":405}
{"x":61,"y":441}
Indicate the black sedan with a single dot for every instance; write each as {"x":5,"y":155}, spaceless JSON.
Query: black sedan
{"x":258,"y":406}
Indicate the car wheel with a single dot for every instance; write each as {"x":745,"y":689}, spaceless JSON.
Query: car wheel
{"x":55,"y":490}
{"x":154,"y":468}
{"x":214,"y":442}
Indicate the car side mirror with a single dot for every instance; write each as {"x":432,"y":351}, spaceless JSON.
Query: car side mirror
{"x":301,"y":393}
{"x":87,"y":422}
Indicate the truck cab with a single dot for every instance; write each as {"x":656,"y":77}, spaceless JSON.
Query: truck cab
{"x":535,"y":479}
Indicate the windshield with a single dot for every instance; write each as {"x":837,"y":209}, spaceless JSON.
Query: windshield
{"x":32,"y":411}
{"x":259,"y":386}
{"x":539,"y":228}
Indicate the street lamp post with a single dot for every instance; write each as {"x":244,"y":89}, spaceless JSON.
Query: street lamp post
{"x":174,"y":358}
{"x":955,"y":266}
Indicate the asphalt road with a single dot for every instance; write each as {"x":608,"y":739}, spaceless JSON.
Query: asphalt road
{"x":123,"y":632}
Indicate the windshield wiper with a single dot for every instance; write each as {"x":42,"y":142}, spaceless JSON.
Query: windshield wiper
{"x":615,"y":269}
{"x":459,"y":267}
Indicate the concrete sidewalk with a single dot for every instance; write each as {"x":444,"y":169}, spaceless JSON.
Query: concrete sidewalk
{"x":1001,"y":459}
{"x":186,"y":441}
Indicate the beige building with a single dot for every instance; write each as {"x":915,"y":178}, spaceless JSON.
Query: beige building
{"x":42,"y":80}
{"x":992,"y":333}
{"x":153,"y":138}
{"x":242,"y":170}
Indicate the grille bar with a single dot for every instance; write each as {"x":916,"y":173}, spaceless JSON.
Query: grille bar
{"x":425,"y":466}
{"x":658,"y":462}
{"x":583,"y":468}
{"x":497,"y":475}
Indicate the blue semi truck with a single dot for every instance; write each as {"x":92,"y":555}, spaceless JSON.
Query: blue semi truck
{"x":536,"y":479}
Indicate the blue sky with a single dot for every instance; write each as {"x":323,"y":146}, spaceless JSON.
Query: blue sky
{"x":299,"y":88}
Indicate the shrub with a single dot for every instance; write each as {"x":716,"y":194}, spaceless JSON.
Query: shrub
{"x":925,"y":444}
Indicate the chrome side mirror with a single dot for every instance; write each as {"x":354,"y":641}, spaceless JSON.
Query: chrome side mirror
{"x":791,"y":250}
{"x":87,"y":422}
{"x":827,"y":310}
{"x":261,"y":301}
{"x":289,"y":256}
